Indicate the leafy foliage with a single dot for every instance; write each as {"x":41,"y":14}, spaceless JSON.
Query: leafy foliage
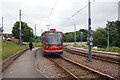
{"x":114,"y":33}
{"x":25,"y":31}
{"x":10,"y":48}
{"x":69,"y":36}
{"x":100,"y":37}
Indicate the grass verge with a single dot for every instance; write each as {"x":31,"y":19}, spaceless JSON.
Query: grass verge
{"x":37,"y":44}
{"x":10,"y":48}
{"x":0,"y":50}
{"x":111,"y":49}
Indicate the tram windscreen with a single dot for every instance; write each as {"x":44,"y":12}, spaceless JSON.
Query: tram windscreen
{"x":53,"y":38}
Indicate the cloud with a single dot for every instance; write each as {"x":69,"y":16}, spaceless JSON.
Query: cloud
{"x":37,"y":12}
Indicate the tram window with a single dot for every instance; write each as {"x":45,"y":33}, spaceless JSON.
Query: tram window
{"x":53,"y":38}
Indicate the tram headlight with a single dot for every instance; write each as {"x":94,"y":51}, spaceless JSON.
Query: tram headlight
{"x":60,"y":46}
{"x":46,"y":46}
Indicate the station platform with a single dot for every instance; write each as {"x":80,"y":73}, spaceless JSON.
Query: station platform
{"x":23,"y":67}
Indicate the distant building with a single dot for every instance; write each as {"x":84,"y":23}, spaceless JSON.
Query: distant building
{"x":119,"y":10}
{"x":7,"y":37}
{"x":15,"y":40}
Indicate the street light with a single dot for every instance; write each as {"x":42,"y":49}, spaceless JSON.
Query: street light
{"x":48,"y":27}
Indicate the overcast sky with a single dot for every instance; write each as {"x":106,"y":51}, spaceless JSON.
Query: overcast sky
{"x":56,"y":12}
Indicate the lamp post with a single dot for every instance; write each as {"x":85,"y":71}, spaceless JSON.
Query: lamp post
{"x":48,"y":27}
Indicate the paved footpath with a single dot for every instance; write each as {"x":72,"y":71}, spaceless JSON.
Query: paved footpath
{"x":23,"y":67}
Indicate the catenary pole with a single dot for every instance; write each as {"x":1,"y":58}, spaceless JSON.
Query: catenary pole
{"x":2,"y":22}
{"x":2,"y":25}
{"x":20,"y":27}
{"x":35,"y":33}
{"x":75,"y":35}
{"x":31,"y":36}
{"x":108,"y":36}
{"x":89,"y":30}
{"x":81,"y":37}
{"x":41,"y":34}
{"x":1,"y":32}
{"x":41,"y":31}
{"x":70,"y":37}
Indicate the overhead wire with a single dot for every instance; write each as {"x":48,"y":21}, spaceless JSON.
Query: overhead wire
{"x":76,"y":13}
{"x":52,"y":9}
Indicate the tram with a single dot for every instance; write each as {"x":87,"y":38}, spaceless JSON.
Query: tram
{"x":52,"y":42}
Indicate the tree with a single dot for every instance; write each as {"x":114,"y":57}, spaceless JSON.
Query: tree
{"x":100,"y":37}
{"x":69,"y":36}
{"x":85,"y":34}
{"x":26,"y":31}
{"x":114,"y":33}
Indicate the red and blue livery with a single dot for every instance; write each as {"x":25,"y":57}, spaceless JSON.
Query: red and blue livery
{"x":52,"y":42}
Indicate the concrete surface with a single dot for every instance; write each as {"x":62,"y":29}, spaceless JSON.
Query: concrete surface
{"x":23,"y":67}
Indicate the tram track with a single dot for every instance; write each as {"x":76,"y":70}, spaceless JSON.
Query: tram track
{"x":78,"y":71}
{"x":97,"y":57}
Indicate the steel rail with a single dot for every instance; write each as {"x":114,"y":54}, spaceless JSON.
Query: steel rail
{"x":68,"y":72}
{"x":106,"y":76}
{"x":90,"y":69}
{"x":94,"y":56}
